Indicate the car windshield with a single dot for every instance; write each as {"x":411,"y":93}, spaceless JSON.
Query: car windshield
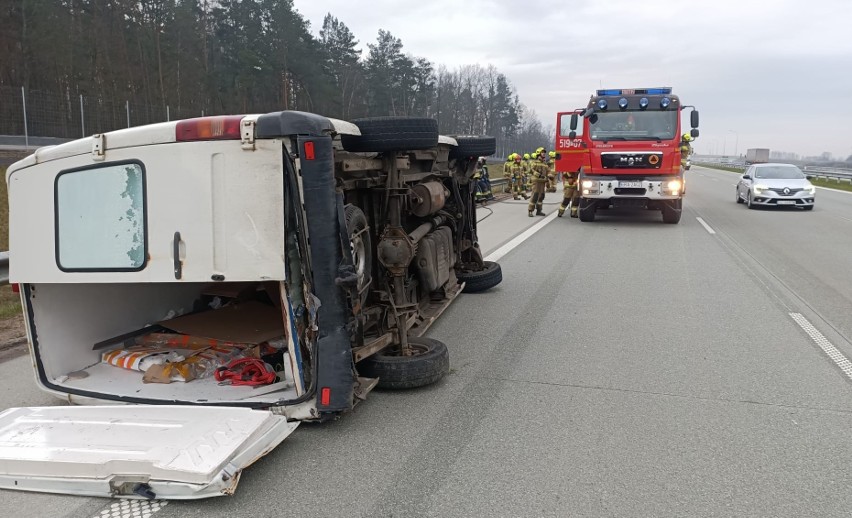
{"x":633,"y":125}
{"x":779,"y":173}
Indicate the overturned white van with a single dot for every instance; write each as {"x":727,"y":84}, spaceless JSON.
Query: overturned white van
{"x":227,"y":277}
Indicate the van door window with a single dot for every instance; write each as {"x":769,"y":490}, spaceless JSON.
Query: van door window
{"x":100,"y":218}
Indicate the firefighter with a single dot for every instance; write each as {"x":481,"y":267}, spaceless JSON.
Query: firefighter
{"x":685,"y":148}
{"x":517,"y":172}
{"x":570,"y":193}
{"x":483,"y":183}
{"x":527,"y":181}
{"x":553,"y":178}
{"x":507,"y":173}
{"x":538,"y":173}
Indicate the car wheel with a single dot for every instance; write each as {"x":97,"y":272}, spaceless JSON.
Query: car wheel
{"x":748,"y":200}
{"x":739,"y":199}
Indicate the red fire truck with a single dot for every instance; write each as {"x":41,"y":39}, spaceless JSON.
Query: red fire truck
{"x":626,"y":146}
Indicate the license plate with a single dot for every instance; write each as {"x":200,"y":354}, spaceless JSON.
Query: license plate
{"x":786,"y":202}
{"x":630,"y":184}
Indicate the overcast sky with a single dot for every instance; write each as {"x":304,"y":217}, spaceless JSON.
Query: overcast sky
{"x":778,"y":76}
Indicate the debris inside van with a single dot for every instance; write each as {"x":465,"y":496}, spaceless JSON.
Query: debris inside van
{"x":164,"y":363}
{"x":250,"y":322}
{"x":247,"y":372}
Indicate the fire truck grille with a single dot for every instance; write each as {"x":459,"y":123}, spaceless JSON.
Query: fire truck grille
{"x":631,"y":160}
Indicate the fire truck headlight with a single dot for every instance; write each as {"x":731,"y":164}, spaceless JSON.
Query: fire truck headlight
{"x":643,"y":103}
{"x":591,"y":187}
{"x":622,"y":103}
{"x":602,"y":104}
{"x":665,"y":102}
{"x":673,"y":185}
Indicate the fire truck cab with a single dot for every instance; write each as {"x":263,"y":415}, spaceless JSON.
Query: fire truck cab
{"x":626,"y":146}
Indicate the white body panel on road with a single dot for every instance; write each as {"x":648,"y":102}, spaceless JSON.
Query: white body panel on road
{"x":174,"y":452}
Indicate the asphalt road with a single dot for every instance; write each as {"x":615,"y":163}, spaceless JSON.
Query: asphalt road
{"x":636,"y":369}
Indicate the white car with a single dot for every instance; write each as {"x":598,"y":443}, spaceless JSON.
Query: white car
{"x":775,"y":185}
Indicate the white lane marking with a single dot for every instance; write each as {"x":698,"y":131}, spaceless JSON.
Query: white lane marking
{"x":132,"y":509}
{"x":706,"y":226}
{"x":823,"y":343}
{"x":520,"y":238}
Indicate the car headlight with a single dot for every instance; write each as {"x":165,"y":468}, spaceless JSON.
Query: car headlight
{"x":758,"y":189}
{"x":810,"y":189}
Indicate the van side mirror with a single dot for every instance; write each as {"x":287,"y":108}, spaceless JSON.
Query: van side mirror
{"x":573,"y":125}
{"x":694,"y":132}
{"x":693,"y":119}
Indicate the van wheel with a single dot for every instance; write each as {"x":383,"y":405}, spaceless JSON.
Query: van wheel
{"x":475,"y":281}
{"x":473,"y":147}
{"x":429,"y":362}
{"x":362,"y":250}
{"x":381,"y":134}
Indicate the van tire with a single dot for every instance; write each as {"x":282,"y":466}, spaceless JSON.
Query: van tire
{"x":405,"y":372}
{"x":362,"y":247}
{"x":474,"y":147}
{"x":381,"y":134}
{"x":476,"y":281}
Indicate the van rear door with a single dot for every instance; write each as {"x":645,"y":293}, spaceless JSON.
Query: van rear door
{"x":134,"y":451}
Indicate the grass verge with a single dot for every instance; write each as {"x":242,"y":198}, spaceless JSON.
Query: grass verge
{"x":10,"y":303}
{"x":4,"y":211}
{"x":832,"y":184}
{"x":738,"y":170}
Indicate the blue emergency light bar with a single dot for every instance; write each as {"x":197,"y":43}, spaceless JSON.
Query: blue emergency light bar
{"x":637,"y":91}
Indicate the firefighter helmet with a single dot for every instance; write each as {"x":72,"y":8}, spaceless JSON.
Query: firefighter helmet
{"x":687,"y":137}
{"x":526,"y":156}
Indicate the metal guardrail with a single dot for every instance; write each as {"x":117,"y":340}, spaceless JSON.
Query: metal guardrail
{"x":4,"y":267}
{"x":829,"y":172}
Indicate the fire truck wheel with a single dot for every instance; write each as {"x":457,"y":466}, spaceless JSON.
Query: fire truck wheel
{"x":475,"y":281}
{"x":428,"y":363}
{"x":359,"y":242}
{"x":671,"y":215}
{"x":473,"y":147}
{"x":587,"y":210}
{"x":380,"y":134}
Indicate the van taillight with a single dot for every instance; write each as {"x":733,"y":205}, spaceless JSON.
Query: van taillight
{"x":16,"y":288}
{"x":325,"y":396}
{"x":209,"y":128}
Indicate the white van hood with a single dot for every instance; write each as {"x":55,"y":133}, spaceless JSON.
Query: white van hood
{"x":134,"y":451}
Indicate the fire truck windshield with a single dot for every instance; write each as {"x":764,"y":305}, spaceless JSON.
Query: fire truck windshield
{"x":633,"y":125}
